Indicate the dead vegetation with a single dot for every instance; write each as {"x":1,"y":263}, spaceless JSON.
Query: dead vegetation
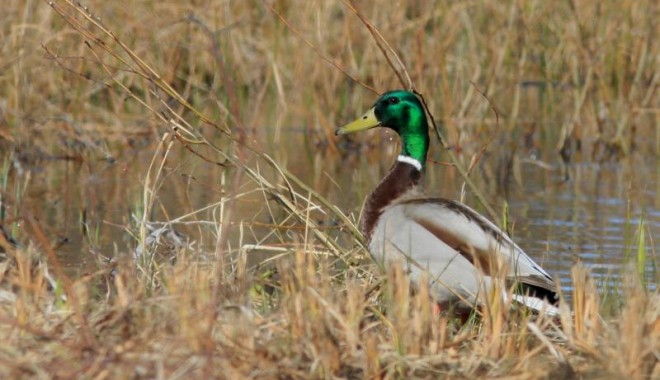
{"x":225,"y":81}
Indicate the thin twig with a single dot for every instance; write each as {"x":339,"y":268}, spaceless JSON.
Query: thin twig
{"x":457,"y":164}
{"x":317,"y":51}
{"x":384,"y":47}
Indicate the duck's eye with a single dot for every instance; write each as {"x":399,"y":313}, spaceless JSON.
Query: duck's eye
{"x":393,"y":100}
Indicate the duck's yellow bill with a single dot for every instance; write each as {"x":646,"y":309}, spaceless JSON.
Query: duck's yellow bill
{"x":367,"y":121}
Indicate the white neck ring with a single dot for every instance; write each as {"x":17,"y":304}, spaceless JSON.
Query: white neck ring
{"x":410,"y":161}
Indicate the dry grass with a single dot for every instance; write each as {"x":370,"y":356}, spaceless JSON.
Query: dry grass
{"x":227,"y":80}
{"x":573,"y":72}
{"x":309,"y":323}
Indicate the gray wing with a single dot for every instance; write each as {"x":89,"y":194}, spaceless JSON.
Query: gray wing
{"x":477,"y":238}
{"x":458,"y":249}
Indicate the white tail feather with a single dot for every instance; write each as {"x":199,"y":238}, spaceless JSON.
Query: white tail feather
{"x":534,"y":303}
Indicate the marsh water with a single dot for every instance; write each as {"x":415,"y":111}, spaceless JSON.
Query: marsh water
{"x":583,"y":212}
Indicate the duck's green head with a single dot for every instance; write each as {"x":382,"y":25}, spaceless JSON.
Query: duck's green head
{"x":401,"y":111}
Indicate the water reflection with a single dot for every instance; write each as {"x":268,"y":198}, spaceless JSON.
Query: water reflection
{"x":593,"y":218}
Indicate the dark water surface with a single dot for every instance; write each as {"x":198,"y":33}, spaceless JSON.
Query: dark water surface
{"x":594,"y":217}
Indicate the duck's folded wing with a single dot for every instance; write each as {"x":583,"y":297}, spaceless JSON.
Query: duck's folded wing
{"x":479,"y":241}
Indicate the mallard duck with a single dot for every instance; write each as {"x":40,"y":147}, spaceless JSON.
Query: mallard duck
{"x":456,"y":248}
